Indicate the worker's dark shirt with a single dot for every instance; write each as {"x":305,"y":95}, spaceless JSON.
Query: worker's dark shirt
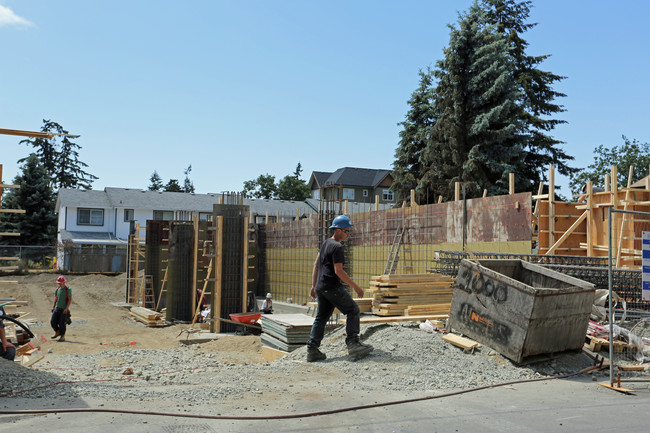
{"x":330,"y":252}
{"x":2,"y":313}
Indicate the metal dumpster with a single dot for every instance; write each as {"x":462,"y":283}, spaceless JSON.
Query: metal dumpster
{"x":520,"y":309}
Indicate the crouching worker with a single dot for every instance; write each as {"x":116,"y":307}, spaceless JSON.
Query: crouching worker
{"x":328,"y":277}
{"x":267,"y":305}
{"x":61,"y":308}
{"x":7,"y":350}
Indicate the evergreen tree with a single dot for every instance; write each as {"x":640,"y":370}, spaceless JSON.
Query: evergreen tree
{"x":156,"y":182}
{"x":37,"y":225}
{"x":60,"y":160}
{"x":291,"y":187}
{"x":476,"y":138}
{"x":537,"y":96}
{"x":407,"y":167}
{"x":173,"y":186}
{"x":188,"y":186}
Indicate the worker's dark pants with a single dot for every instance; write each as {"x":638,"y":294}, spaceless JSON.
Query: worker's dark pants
{"x":327,"y":301}
{"x":58,"y":321}
{"x":8,"y":354}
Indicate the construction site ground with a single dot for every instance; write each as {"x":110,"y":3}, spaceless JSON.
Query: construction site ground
{"x":116,"y":373}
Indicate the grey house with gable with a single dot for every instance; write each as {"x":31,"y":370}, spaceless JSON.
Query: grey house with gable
{"x":353,"y":184}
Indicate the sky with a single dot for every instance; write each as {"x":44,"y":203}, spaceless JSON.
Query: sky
{"x":242,"y":88}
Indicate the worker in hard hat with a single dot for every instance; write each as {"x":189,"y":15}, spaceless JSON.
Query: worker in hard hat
{"x":267,"y":305}
{"x":61,"y":308}
{"x":327,"y":287}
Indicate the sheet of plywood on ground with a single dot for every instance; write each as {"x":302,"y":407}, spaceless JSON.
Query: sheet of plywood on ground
{"x":566,"y":215}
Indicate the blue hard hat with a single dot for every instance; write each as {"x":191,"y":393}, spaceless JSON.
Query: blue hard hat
{"x":341,"y":222}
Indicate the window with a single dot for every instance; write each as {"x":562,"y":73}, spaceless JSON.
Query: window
{"x":90,"y":217}
{"x":163,"y":215}
{"x":205,"y":216}
{"x":316,"y":194}
{"x":348,"y":193}
{"x":365,"y":193}
{"x":387,"y":195}
{"x":128,"y":215}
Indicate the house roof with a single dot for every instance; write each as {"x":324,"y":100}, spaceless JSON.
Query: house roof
{"x":318,"y":177}
{"x":360,"y":177}
{"x":94,"y":238}
{"x":130,"y":198}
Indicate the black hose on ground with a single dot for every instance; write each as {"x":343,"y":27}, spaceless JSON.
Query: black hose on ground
{"x":3,"y":317}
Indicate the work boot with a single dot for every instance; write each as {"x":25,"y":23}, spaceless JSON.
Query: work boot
{"x":62,"y":338}
{"x":313,"y":354}
{"x":56,"y":334}
{"x":357,"y":349}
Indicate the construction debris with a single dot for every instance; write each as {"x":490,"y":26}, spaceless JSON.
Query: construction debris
{"x":286,"y":332}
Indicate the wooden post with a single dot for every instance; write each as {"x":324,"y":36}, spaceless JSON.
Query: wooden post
{"x":345,"y":208}
{"x":456,"y":191}
{"x":590,"y":242}
{"x":266,"y":220}
{"x":607,"y":182}
{"x":484,"y":193}
{"x":619,"y":242}
{"x":551,"y":205}
{"x":413,"y":203}
{"x":439,"y":199}
{"x":377,"y":202}
{"x":297,"y":213}
{"x":511,"y":183}
{"x":277,"y":217}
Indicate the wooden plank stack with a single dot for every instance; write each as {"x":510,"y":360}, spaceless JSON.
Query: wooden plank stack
{"x":417,"y":294}
{"x":148,"y":317}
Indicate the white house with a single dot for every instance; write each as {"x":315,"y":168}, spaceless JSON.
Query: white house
{"x":100,"y":221}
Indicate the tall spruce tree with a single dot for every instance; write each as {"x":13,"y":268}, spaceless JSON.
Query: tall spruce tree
{"x":476,"y":138}
{"x":537,"y":96}
{"x":37,"y":226}
{"x":60,"y":159}
{"x":407,"y":167}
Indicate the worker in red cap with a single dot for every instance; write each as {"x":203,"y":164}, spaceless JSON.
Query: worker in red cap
{"x":61,"y":308}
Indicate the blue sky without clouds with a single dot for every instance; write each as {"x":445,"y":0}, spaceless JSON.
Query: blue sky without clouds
{"x":242,"y":88}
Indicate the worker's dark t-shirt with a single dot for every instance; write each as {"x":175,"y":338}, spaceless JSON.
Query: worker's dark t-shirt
{"x":330,"y":252}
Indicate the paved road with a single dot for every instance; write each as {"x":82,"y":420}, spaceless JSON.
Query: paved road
{"x":568,"y":405}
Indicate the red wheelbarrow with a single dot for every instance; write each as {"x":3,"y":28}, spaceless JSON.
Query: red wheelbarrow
{"x":245,"y":317}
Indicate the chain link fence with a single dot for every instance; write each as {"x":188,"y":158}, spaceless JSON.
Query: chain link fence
{"x":626,"y":329}
{"x":21,"y":257}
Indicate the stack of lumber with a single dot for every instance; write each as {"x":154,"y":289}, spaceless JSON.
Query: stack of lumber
{"x":286,"y":332}
{"x":417,"y":294}
{"x":148,"y":317}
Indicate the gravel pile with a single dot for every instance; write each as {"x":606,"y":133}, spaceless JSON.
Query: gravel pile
{"x":405,"y":359}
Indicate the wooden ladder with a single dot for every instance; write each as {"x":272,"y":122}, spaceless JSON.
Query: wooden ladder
{"x":162,"y":290}
{"x":148,"y":297}
{"x":393,"y":255}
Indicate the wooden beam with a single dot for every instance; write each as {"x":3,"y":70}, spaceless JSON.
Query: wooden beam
{"x":551,"y":205}
{"x":511,"y":183}
{"x":216,"y":299}
{"x":9,"y":234}
{"x":21,"y":133}
{"x":568,"y":232}
{"x":625,"y":205}
{"x":590,"y":191}
{"x":456,"y":191}
{"x":5,"y":185}
{"x":12,"y":211}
